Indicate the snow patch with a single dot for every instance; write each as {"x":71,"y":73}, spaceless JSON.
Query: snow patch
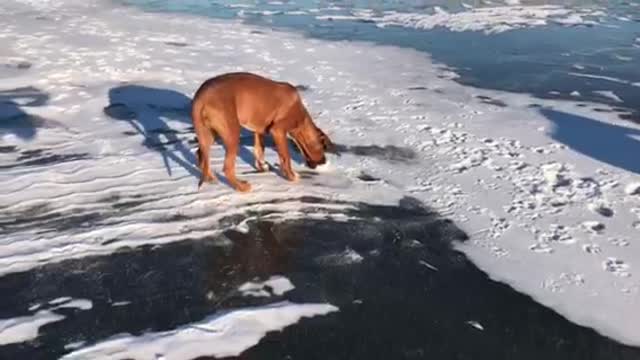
{"x":26,"y":328}
{"x":476,"y":325}
{"x":632,"y":189}
{"x":347,"y":257}
{"x":609,"y":95}
{"x":275,"y":285}
{"x":223,"y":335}
{"x":120,"y":303}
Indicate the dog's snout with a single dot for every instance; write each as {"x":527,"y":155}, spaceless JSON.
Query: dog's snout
{"x":313,"y":164}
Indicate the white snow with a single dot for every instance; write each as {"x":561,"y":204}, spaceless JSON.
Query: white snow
{"x":276,"y":285}
{"x":26,"y":328}
{"x":82,"y":304}
{"x":632,"y":189}
{"x":120,"y":303}
{"x":522,"y":194}
{"x":221,"y":335}
{"x":422,"y":262}
{"x":74,"y":345}
{"x":602,"y":77}
{"x":346,"y":257}
{"x":239,"y":5}
{"x":573,"y":19}
{"x":609,"y":95}
{"x":476,"y":325}
{"x":490,"y":20}
{"x":60,"y":300}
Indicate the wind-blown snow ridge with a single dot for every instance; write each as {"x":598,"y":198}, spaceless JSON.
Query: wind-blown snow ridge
{"x":223,"y":335}
{"x":486,"y":19}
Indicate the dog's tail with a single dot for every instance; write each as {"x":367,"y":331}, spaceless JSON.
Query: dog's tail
{"x":204,"y":137}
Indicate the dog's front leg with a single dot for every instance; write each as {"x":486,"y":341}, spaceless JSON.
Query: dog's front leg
{"x":258,"y":151}
{"x":282,"y":146}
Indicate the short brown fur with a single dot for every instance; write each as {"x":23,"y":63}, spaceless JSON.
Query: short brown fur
{"x":225,"y":103}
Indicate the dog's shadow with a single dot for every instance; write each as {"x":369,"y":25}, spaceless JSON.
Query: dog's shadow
{"x":13,"y":117}
{"x":148,"y":111}
{"x":390,"y":153}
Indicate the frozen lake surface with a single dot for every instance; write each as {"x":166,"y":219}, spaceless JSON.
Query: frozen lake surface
{"x":486,"y":203}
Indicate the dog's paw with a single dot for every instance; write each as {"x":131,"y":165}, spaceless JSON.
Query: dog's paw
{"x":243,"y":186}
{"x":294,"y":177}
{"x":261,"y":166}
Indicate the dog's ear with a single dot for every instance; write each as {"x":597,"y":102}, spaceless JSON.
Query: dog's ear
{"x":328,"y":145}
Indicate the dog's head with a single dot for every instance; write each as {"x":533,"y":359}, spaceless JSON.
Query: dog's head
{"x":312,"y":142}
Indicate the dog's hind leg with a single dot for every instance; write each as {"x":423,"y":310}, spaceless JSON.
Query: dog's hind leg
{"x":230,"y":135}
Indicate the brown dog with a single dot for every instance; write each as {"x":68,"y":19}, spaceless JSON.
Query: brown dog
{"x":225,"y":103}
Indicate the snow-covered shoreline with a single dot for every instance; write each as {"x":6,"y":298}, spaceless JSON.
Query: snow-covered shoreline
{"x":501,"y":165}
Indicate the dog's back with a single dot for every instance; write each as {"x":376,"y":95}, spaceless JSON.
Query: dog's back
{"x":252,"y":99}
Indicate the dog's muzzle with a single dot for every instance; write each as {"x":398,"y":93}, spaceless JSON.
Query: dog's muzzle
{"x":313,"y":164}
